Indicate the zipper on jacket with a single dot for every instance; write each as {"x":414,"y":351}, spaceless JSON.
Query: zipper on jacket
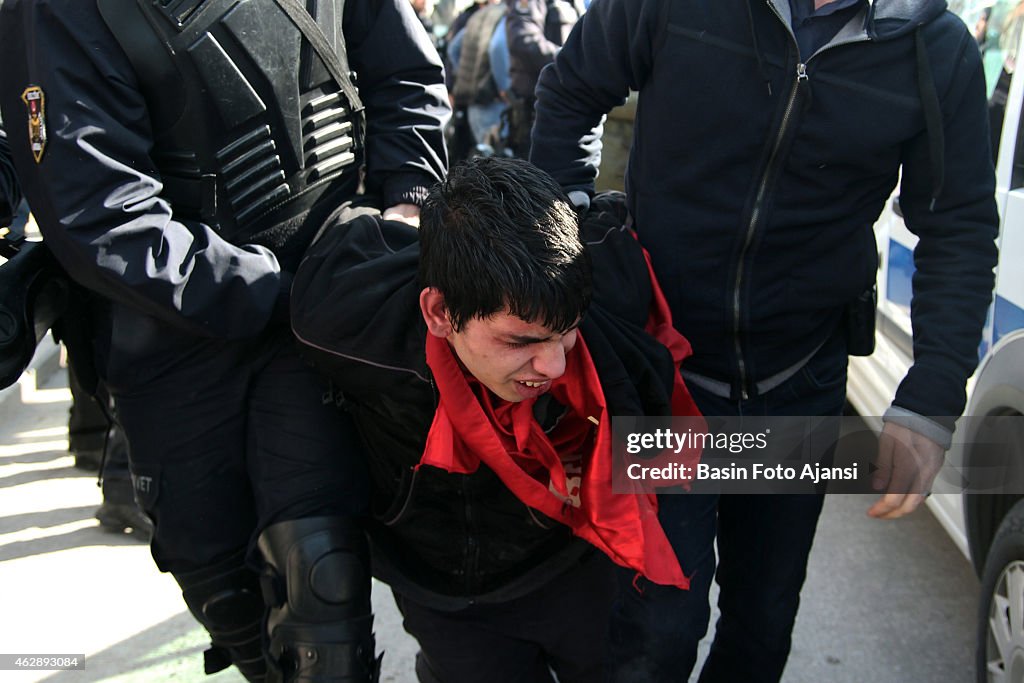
{"x":755,"y":217}
{"x":471,"y":549}
{"x":801,"y":77}
{"x":395,"y":518}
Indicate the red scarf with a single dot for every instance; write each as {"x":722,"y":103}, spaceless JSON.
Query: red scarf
{"x":471,"y":426}
{"x":659,"y":325}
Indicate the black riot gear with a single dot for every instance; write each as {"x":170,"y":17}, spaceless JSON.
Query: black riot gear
{"x":317,"y":586}
{"x":225,"y":599}
{"x":249,"y":135}
{"x":36,"y":294}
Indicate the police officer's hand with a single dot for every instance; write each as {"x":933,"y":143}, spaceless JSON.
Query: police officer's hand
{"x":406,"y":213}
{"x":907,"y":465}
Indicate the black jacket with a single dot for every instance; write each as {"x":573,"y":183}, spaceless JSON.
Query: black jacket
{"x":536,"y":30}
{"x":756,"y":174}
{"x":443,"y":539}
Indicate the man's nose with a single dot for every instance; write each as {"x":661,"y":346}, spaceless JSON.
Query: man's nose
{"x":550,"y":360}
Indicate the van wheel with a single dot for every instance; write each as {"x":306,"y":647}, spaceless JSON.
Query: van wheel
{"x":1001,"y":613}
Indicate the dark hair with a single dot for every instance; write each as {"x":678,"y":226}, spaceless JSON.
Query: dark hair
{"x":499,"y":233}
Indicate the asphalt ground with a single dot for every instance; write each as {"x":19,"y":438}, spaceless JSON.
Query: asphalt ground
{"x":884,"y":601}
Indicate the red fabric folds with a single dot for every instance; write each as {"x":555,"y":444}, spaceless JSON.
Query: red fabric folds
{"x":659,"y":325}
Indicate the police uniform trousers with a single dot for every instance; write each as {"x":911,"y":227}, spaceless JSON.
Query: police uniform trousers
{"x":227,"y":438}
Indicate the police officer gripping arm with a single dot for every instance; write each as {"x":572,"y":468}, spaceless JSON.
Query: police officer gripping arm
{"x":179,"y":156}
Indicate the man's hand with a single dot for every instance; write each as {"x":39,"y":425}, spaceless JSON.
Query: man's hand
{"x":406,"y":213}
{"x":907,"y":464}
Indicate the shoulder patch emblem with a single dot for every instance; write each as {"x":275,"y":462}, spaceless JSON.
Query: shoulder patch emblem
{"x":523,"y":6}
{"x":35,"y":102}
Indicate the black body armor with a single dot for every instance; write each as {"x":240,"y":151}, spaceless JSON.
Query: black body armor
{"x":251,"y":131}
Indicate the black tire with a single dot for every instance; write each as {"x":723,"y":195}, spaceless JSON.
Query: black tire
{"x":1002,"y":595}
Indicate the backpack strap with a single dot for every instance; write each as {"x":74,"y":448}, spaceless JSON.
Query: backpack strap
{"x":336,"y":61}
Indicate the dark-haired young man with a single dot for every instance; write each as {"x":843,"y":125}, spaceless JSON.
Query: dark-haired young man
{"x":483,"y":389}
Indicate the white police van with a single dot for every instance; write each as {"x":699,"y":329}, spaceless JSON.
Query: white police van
{"x":989,"y":529}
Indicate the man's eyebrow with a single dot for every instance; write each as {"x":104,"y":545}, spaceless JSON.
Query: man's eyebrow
{"x":530,"y":339}
{"x":525,"y":339}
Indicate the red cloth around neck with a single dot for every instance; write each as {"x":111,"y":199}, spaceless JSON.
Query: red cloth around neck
{"x":471,"y":426}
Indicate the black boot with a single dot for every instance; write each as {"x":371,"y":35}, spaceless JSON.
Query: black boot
{"x":225,"y":599}
{"x":119,"y":511}
{"x":125,"y":518}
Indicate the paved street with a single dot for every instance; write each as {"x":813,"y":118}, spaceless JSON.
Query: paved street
{"x":884,"y":602}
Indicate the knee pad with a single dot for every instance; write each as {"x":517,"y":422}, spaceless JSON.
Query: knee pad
{"x":317,"y":585}
{"x":225,"y":598}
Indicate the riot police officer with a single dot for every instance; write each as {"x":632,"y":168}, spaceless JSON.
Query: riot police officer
{"x":179,"y":156}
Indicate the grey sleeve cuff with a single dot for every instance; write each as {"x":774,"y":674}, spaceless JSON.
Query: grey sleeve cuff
{"x":919,"y":424}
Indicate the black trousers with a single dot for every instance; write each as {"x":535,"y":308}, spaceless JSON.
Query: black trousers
{"x":87,"y":422}
{"x":227,"y":437}
{"x":561,"y":627}
{"x":90,"y":431}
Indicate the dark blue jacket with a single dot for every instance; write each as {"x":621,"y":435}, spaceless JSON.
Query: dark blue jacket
{"x":536,"y":29}
{"x":756,"y":174}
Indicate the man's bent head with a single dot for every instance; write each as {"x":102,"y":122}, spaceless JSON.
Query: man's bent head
{"x":505,"y":276}
{"x":499,"y":234}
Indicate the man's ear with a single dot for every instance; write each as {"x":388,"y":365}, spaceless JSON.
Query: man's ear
{"x":434,"y":312}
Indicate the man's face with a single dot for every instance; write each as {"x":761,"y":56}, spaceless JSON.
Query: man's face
{"x":513,"y":358}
